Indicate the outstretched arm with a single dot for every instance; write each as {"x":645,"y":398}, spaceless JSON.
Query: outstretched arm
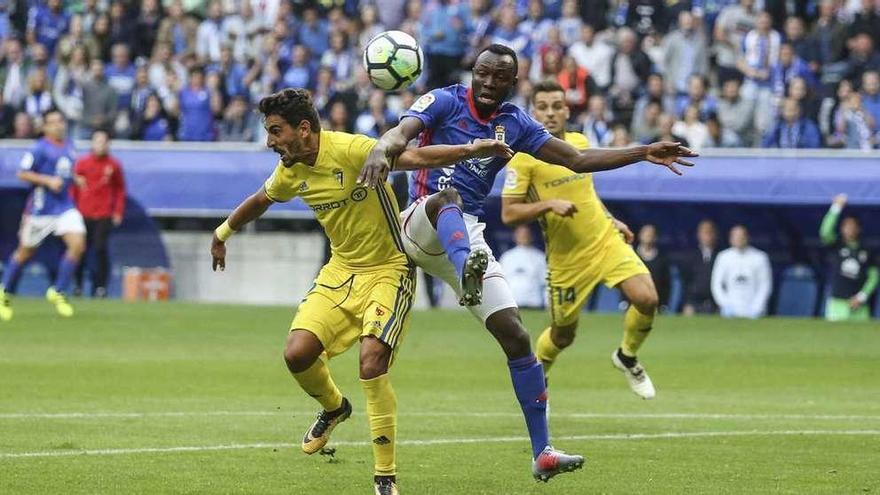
{"x":516,"y":211}
{"x":441,"y":155}
{"x":387,"y":150}
{"x":828,"y":229}
{"x":249,"y":210}
{"x":667,"y":154}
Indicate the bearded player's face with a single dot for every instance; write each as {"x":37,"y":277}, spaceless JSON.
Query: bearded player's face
{"x":494,"y":77}
{"x":286,"y":140}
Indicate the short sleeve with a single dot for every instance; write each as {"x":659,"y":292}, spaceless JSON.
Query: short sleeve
{"x":431,"y":108}
{"x":533,"y":135}
{"x":358,"y":150}
{"x":518,"y":176}
{"x":27,"y":161}
{"x":280,"y":185}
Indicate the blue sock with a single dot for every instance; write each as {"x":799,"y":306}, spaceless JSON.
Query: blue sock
{"x":11,"y":275}
{"x":527,"y":375}
{"x":65,"y":275}
{"x":453,"y":235}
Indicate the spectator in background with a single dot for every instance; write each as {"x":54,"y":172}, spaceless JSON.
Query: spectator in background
{"x":646,"y":16}
{"x":657,"y":263}
{"x":593,"y":55}
{"x":22,"y":127}
{"x":99,"y":194}
{"x":862,"y":57}
{"x":577,"y":83}
{"x":314,"y":32}
{"x":829,"y":38}
{"x":697,"y":96}
{"x":198,"y":104}
{"x":855,"y":128}
{"x":75,"y":38}
{"x":621,"y":137}
{"x":630,"y":68}
{"x":146,"y":28}
{"x":535,"y":25}
{"x":735,"y":112}
{"x":121,"y":24}
{"x":597,"y":126}
{"x":338,"y":119}
{"x":39,"y":98}
{"x":301,"y":73}
{"x":867,"y":21}
{"x":685,"y":54}
{"x":525,"y":268}
{"x":377,"y":118}
{"x":209,"y":36}
{"x":370,"y":26}
{"x":340,"y":58}
{"x":741,"y":278}
{"x":46,"y":24}
{"x":99,"y":103}
{"x":152,"y":124}
{"x":163,"y":64}
{"x":759,"y":54}
{"x":793,"y":130}
{"x":804,"y":49}
{"x":120,"y":76}
{"x":647,"y":125}
{"x":698,"y":274}
{"x":789,"y":68}
{"x":13,"y":73}
{"x":7,"y":118}
{"x":507,"y":33}
{"x":731,"y":27}
{"x":871,"y":93}
{"x":239,"y":122}
{"x":799,"y":91}
{"x":667,"y":122}
{"x":854,"y":266}
{"x":570,"y":23}
{"x":692,"y":128}
{"x":235,"y":76}
{"x":178,"y":30}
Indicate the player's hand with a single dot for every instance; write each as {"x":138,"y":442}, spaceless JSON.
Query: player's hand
{"x":623,"y":228}
{"x":854,"y":303}
{"x":487,"y":148}
{"x":375,"y":170}
{"x":840,"y":200}
{"x":669,"y":154}
{"x":562,"y":207}
{"x":55,"y":184}
{"x":117,"y":220}
{"x":218,"y":254}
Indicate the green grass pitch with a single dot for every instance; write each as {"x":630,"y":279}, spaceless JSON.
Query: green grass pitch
{"x":178,"y":398}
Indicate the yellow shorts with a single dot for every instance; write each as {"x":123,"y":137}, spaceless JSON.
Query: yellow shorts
{"x":342,"y":307}
{"x":570,"y":287}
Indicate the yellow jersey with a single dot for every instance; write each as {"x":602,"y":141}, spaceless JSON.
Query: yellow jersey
{"x":565,"y":237}
{"x":362,"y":224}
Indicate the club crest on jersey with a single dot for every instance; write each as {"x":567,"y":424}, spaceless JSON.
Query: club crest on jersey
{"x":340,"y":177}
{"x":499,"y":133}
{"x":304,"y":187}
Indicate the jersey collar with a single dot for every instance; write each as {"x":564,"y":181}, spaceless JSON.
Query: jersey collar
{"x":473,"y":108}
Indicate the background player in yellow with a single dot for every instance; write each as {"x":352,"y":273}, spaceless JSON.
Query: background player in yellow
{"x":585,"y":245}
{"x":364,"y":293}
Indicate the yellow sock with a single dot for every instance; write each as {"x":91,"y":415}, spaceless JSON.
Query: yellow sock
{"x":636,"y":327}
{"x":316,"y":381}
{"x":382,"y":414}
{"x":545,"y":350}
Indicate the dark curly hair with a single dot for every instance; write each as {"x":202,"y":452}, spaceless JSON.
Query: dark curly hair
{"x":293,"y":105}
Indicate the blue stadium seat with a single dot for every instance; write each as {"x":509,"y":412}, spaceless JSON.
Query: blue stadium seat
{"x":798,"y":290}
{"x":607,"y":300}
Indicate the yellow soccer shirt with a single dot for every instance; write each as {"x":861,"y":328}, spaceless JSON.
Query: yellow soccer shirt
{"x":361,"y":223}
{"x":564,"y":237}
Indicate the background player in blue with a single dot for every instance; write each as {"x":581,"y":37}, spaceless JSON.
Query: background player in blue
{"x":442,"y":232}
{"x":48,"y":167}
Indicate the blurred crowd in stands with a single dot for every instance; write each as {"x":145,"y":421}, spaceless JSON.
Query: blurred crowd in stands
{"x":712,"y":73}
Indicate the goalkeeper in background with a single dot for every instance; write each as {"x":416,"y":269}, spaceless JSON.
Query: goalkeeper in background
{"x":855,"y":267}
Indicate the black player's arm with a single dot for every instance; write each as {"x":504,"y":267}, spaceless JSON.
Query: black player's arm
{"x":387,"y":150}
{"x":667,"y":154}
{"x":515,"y":210}
{"x":441,"y":155}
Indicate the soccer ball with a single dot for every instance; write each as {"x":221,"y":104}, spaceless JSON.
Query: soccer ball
{"x":393,"y":60}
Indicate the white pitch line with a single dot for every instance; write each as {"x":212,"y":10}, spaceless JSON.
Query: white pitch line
{"x":439,"y":441}
{"x":467,"y":414}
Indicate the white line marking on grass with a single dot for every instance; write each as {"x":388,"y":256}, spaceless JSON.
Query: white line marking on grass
{"x":439,"y":441}
{"x":467,"y":414}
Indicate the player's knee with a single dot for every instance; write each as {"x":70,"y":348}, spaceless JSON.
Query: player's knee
{"x":516,"y":342}
{"x":450,"y":196}
{"x":646,"y":301}
{"x":296,"y":358}
{"x":374,"y":359}
{"x":562,"y":337}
